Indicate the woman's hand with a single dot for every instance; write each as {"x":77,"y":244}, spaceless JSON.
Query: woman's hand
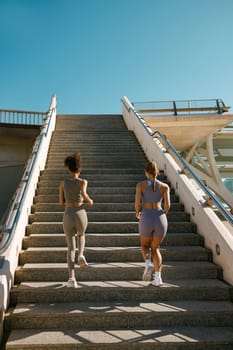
{"x":90,"y":202}
{"x":138,"y":215}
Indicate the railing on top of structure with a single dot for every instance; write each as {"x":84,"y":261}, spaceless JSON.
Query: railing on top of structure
{"x":8,"y":116}
{"x":11,"y":216}
{"x":210,"y":195}
{"x":181,"y":107}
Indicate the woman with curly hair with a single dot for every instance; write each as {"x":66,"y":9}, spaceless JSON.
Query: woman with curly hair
{"x":72,"y":193}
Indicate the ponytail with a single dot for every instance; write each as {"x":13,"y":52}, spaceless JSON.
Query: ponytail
{"x":154,"y":183}
{"x":152,"y":169}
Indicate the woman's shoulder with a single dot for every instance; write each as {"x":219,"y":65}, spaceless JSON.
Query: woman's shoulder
{"x":82,"y":181}
{"x":142,"y":184}
{"x":163,"y":185}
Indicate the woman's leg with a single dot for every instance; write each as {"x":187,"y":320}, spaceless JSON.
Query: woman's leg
{"x":81,"y":244}
{"x":68,"y":227}
{"x":71,"y":245}
{"x":146,"y":253}
{"x":81,"y":223}
{"x":146,"y":247}
{"x":155,"y":253}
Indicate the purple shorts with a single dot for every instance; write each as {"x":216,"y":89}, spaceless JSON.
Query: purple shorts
{"x":153,"y":223}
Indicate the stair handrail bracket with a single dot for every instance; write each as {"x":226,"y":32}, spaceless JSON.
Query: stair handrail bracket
{"x":216,"y":235}
{"x":16,"y":220}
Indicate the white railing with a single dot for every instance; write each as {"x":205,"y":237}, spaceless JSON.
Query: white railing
{"x":9,"y":116}
{"x":16,"y":220}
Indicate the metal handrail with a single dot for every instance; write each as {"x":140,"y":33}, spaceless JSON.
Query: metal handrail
{"x":210,"y":194}
{"x":13,"y":212}
{"x":180,"y":106}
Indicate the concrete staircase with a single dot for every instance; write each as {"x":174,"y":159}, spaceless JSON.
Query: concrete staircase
{"x":112,"y":308}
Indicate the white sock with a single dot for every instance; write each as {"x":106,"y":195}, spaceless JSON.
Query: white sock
{"x":157,"y":274}
{"x":148,"y":262}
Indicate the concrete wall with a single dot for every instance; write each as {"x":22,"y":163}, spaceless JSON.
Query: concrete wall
{"x":15,"y":147}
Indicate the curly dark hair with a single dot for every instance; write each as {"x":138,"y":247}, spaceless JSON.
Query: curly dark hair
{"x":73,"y":163}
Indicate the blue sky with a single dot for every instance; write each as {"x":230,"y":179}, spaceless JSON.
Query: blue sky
{"x":93,"y":52}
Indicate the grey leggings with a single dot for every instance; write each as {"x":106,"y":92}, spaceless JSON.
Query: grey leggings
{"x":74,"y":223}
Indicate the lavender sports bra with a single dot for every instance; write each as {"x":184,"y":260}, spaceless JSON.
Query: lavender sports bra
{"x":149,"y":196}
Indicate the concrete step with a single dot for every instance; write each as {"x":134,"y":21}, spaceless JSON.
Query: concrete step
{"x":123,"y":163}
{"x":109,"y":239}
{"x":107,"y":227}
{"x":99,"y":178}
{"x":98,"y":198}
{"x":102,"y":216}
{"x":103,"y":157}
{"x":160,"y":338}
{"x":90,"y":139}
{"x":115,"y":271}
{"x":127,"y":315}
{"x":92,"y":183}
{"x":100,"y":207}
{"x":92,"y":190}
{"x":88,"y":151}
{"x":72,"y":145}
{"x":113,"y":254}
{"x":103,"y":165}
{"x":98,"y":136}
{"x":121,"y":173}
{"x":139,"y":291}
{"x":76,"y":123}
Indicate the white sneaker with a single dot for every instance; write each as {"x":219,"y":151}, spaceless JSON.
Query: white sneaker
{"x":82,"y":261}
{"x":157,"y":281}
{"x":147,"y":274}
{"x":72,"y":283}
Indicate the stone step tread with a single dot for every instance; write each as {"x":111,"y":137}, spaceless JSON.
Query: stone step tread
{"x":94,"y":173}
{"x":116,"y":265}
{"x":97,"y":307}
{"x":141,"y":338}
{"x":107,"y":227}
{"x":112,"y":314}
{"x":134,"y":285}
{"x":113,"y":248}
{"x":137,"y":290}
{"x":102,"y":216}
{"x":121,"y":172}
{"x":116,"y":138}
{"x":101,"y":207}
{"x":131,"y":152}
{"x":110,"y":254}
{"x":92,"y":183}
{"x":126,"y":187}
{"x":42,"y":223}
{"x":99,"y":198}
{"x":182,"y":235}
{"x":103,"y":240}
{"x":119,"y":270}
{"x":100,"y":164}
{"x":95,"y":190}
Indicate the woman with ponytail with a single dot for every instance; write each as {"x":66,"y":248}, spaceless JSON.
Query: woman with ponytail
{"x":152,"y":220}
{"x":72,"y":193}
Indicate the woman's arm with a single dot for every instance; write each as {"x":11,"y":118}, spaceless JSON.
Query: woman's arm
{"x":137,"y":203}
{"x":86,"y":197}
{"x":166,"y":198}
{"x":61,"y":193}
